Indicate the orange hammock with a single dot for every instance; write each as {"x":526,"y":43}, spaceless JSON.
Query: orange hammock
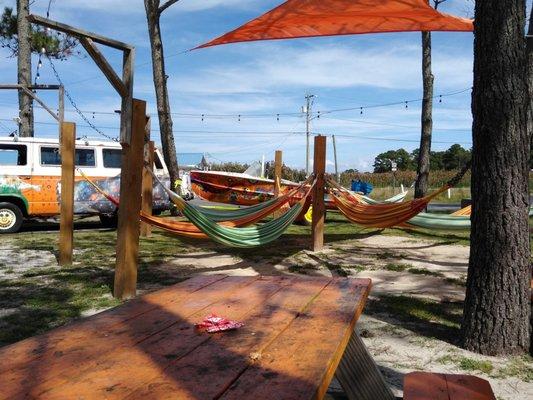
{"x":378,"y":215}
{"x":463,"y":212}
{"x":187,"y":229}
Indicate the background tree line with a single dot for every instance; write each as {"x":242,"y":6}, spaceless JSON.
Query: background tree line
{"x":452,"y":159}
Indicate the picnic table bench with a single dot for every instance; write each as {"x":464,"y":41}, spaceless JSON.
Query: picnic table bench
{"x":298,"y":334}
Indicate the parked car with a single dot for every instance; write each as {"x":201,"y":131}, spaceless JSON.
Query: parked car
{"x":30,"y":174}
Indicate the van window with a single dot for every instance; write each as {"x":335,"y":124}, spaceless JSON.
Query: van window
{"x":157,"y":162}
{"x":82,"y":158}
{"x":13,"y":154}
{"x":112,"y":158}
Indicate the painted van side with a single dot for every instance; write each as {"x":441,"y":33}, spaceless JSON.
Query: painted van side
{"x":30,"y":175}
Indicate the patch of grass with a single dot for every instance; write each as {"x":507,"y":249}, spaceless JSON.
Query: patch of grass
{"x":396,"y":267}
{"x":468,"y":364}
{"x":519,"y":367}
{"x":384,"y":255}
{"x":424,"y":271}
{"x":441,"y":320}
{"x":456,"y":281}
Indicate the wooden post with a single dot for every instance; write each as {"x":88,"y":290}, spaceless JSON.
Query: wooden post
{"x":319,"y":208}
{"x":278,"y":165}
{"x":130,"y":206}
{"x":147,"y":185}
{"x":66,"y":229}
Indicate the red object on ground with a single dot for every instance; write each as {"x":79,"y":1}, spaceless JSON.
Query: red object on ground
{"x":213,"y":324}
{"x":309,"y":18}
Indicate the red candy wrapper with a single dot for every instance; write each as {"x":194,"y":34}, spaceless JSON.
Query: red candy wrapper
{"x":213,"y":323}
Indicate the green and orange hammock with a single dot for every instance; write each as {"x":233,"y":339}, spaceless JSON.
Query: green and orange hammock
{"x":383,"y":215}
{"x":232,"y":231}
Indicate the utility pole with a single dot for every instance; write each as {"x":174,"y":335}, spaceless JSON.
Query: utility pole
{"x":336,"y":163}
{"x":307,"y":109}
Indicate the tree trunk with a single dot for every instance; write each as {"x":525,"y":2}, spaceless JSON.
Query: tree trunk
{"x":497,"y":305}
{"x":24,"y":68}
{"x":160,"y":82}
{"x":530,"y":130}
{"x":421,"y":186}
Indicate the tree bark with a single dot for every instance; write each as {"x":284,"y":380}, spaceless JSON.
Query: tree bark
{"x":497,"y":305}
{"x":421,"y":185}
{"x":160,"y":81}
{"x":530,"y":132}
{"x":24,"y":68}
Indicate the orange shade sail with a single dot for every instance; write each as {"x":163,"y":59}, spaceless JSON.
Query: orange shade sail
{"x":310,"y":18}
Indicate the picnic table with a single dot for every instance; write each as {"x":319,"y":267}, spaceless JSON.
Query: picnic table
{"x":298,"y":333}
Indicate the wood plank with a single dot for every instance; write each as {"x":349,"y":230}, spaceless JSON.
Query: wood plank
{"x":208,"y":371}
{"x":78,"y":33}
{"x":22,"y":353}
{"x":359,"y":375}
{"x":301,"y":362}
{"x":125,"y":285}
{"x":468,"y":387}
{"x":96,"y":350}
{"x":147,"y":184}
{"x":122,"y":370}
{"x":319,"y":208}
{"x":420,"y":385}
{"x":66,"y":224}
{"x":126,"y":110}
{"x":278,"y":165}
{"x":104,"y":66}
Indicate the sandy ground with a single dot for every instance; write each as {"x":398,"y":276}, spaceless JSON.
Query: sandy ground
{"x":396,"y":348}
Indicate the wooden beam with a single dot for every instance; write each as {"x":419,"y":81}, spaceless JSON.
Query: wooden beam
{"x":31,"y":87}
{"x":104,"y":65}
{"x":278,"y":165}
{"x":78,"y":33}
{"x":42,"y":103}
{"x":148,"y":184}
{"x":130,"y":206}
{"x":66,"y":228}
{"x":126,"y":107}
{"x":319,"y":209}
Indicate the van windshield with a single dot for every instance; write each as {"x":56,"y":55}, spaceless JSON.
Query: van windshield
{"x":13,"y":154}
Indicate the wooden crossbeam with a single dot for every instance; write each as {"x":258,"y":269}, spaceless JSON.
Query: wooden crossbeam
{"x":78,"y":33}
{"x":104,"y":65}
{"x":31,"y":87}
{"x":42,"y":103}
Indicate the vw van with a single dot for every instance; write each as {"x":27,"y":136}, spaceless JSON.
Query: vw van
{"x":30,"y":175}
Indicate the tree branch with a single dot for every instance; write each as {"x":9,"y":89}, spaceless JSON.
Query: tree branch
{"x":166,"y":5}
{"x":437,"y":3}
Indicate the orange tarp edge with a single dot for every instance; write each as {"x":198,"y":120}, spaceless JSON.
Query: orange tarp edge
{"x":311,"y":18}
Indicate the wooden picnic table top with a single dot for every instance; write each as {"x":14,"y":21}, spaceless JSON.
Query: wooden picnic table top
{"x":296,"y":329}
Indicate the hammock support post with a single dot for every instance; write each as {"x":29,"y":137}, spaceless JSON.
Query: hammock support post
{"x":147,"y":181}
{"x":128,"y":231}
{"x":66,"y":224}
{"x":278,"y":164}
{"x":319,"y":208}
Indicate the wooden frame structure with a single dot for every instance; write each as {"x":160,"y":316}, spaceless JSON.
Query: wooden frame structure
{"x":67,"y":140}
{"x":132,"y":133}
{"x":319,"y":208}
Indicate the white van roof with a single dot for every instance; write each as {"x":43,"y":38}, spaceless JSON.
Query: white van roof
{"x":79,"y":142}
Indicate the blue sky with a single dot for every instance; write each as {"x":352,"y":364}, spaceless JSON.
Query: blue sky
{"x":262,"y":78}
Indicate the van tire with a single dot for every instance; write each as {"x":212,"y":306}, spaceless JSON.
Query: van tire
{"x":109,"y":221}
{"x":11,"y":218}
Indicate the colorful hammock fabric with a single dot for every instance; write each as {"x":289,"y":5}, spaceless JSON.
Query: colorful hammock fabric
{"x":394,"y":199}
{"x":378,"y":215}
{"x":237,"y":237}
{"x":188,"y":229}
{"x":440,"y":221}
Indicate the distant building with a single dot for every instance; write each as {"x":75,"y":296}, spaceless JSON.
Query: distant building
{"x":190,"y":161}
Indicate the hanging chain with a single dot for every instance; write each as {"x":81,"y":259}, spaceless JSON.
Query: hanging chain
{"x":76,"y":108}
